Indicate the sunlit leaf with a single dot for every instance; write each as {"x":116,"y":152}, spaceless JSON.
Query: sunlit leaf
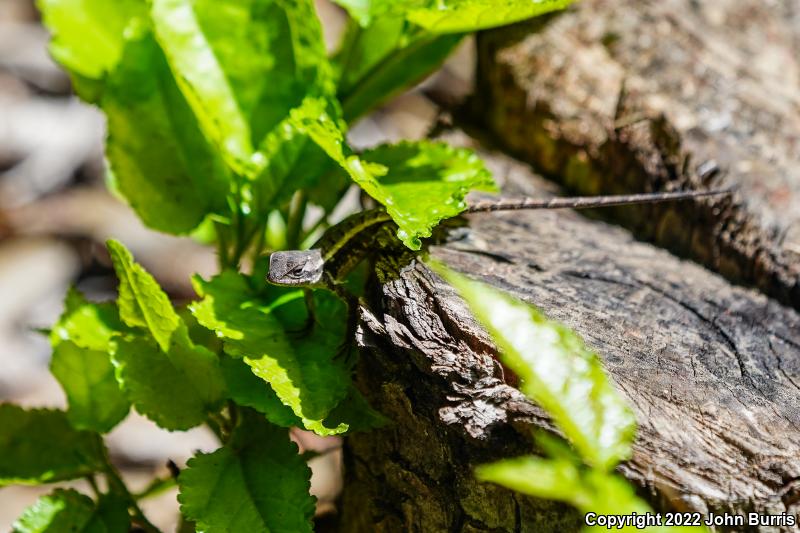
{"x":589,"y":490}
{"x":82,"y":342}
{"x":446,"y":16}
{"x":40,"y":446}
{"x":166,"y":376}
{"x":293,"y":161}
{"x":259,"y":474}
{"x":418,"y":183}
{"x":247,"y":389}
{"x":243,"y":66}
{"x":87,"y":376}
{"x":89,"y":37}
{"x":141,"y":301}
{"x":161,"y":161}
{"x":352,"y":414}
{"x":557,"y":371}
{"x":70,"y":511}
{"x":176,"y":388}
{"x":379,"y":61}
{"x":450,"y":16}
{"x":87,"y":324}
{"x":365,"y":10}
{"x":586,"y":489}
{"x":426,"y":182}
{"x":266,"y":330}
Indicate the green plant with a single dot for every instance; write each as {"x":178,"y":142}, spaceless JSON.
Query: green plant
{"x":229,"y":116}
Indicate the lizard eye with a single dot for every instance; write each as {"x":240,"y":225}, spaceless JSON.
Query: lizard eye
{"x":296,"y":272}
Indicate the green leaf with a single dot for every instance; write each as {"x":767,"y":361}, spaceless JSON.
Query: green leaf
{"x":293,"y":162}
{"x":557,"y":371}
{"x":247,"y":389}
{"x":89,"y":37}
{"x":419,"y":183}
{"x":95,"y":399}
{"x":198,"y":333}
{"x":381,"y":60}
{"x":69,"y":510}
{"x":87,"y":324}
{"x":364,"y":10}
{"x":352,"y":414}
{"x":175,"y":388}
{"x":364,"y":48}
{"x":589,"y":490}
{"x":259,"y":474}
{"x":451,"y":16}
{"x":243,"y":66}
{"x":242,"y":85}
{"x":82,"y":345}
{"x":112,"y":512}
{"x":262,"y":328}
{"x":355,"y":413}
{"x":168,"y":378}
{"x":448,"y":16}
{"x":160,"y":159}
{"x":142,"y":303}
{"x":319,"y":118}
{"x":427,"y":182}
{"x":40,"y":446}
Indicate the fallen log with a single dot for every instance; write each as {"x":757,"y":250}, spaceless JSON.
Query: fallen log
{"x":631,"y":95}
{"x":711,"y":370}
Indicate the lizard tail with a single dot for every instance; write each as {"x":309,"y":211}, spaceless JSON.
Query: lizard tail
{"x":585,"y":202}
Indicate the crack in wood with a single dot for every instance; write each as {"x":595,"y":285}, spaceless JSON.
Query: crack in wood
{"x":713,"y":442}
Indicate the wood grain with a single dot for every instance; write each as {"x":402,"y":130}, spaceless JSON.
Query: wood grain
{"x":712,"y":371}
{"x":632,"y":95}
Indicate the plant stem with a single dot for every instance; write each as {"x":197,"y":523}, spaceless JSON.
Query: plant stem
{"x":233,"y":415}
{"x":258,"y":247}
{"x":157,"y":486}
{"x":242,"y":239}
{"x":185,"y":526}
{"x":222,"y":244}
{"x":93,"y":483}
{"x":213,"y":424}
{"x":294,"y":224}
{"x":352,"y":35}
{"x":116,"y":484}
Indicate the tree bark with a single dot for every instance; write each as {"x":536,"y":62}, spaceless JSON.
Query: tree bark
{"x":630,"y":95}
{"x":711,"y":370}
{"x":609,"y":97}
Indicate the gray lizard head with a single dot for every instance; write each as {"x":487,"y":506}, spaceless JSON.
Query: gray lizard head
{"x":296,"y":268}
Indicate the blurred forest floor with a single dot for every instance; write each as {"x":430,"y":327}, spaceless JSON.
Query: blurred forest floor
{"x":56,"y":213}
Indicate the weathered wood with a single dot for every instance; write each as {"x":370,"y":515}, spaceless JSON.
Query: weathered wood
{"x":712,"y":371}
{"x":633,"y":95}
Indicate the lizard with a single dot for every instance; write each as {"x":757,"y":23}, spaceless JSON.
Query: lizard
{"x":342,"y":247}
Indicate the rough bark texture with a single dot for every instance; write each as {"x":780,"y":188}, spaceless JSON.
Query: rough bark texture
{"x":712,"y":371}
{"x":610,"y":97}
{"x":633,"y":95}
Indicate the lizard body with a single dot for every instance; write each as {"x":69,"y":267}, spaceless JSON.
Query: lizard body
{"x":344,"y":245}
